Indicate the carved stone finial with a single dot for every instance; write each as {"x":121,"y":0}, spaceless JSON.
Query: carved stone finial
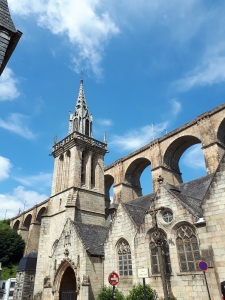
{"x":55,"y":139}
{"x":105,"y":139}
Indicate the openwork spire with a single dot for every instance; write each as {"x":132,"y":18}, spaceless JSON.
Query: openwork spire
{"x":81,"y":120}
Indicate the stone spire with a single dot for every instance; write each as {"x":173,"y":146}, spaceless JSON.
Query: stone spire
{"x":81,"y":120}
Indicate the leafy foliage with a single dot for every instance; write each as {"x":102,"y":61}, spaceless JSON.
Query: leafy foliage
{"x":137,"y":293}
{"x":9,"y":271}
{"x":105,"y":293}
{"x":11,"y":245}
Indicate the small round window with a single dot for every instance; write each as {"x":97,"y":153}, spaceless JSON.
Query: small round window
{"x":168,"y":216}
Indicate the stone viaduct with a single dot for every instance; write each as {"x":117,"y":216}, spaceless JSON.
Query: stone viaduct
{"x":28,"y":225}
{"x":162,"y":154}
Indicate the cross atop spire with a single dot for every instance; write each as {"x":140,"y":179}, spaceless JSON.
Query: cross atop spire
{"x":81,"y":120}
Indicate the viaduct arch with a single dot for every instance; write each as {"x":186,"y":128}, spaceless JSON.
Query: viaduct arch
{"x":28,"y":225}
{"x":164,"y":154}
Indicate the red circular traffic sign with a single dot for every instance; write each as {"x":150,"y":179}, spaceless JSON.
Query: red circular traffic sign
{"x":114,"y":278}
{"x":203,"y":265}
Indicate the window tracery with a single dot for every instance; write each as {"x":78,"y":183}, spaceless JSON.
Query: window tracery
{"x":188,"y":249}
{"x":124,"y":258}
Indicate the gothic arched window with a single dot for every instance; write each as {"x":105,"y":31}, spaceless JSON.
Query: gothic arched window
{"x":66,"y":169}
{"x":87,"y":127}
{"x":83,"y":167}
{"x":124,"y":258}
{"x":155,"y":255}
{"x":60,"y":173}
{"x":187,"y":248}
{"x":93,"y":166}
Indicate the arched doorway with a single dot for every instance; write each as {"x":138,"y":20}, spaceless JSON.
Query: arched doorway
{"x":67,"y":289}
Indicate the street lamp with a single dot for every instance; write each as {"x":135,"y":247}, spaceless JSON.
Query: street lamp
{"x":159,"y":242}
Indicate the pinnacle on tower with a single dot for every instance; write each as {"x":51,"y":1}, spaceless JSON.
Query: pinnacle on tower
{"x":81,"y":120}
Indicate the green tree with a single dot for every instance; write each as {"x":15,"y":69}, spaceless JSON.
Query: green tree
{"x":137,"y":293}
{"x":106,"y":293}
{"x":11,"y":244}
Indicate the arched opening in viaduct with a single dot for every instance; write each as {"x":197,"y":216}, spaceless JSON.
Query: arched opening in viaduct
{"x":133,"y":176}
{"x":40,"y":213}
{"x":185,"y":157}
{"x":27,"y":221}
{"x":221,"y":132}
{"x":109,"y":181}
{"x":16,"y":225}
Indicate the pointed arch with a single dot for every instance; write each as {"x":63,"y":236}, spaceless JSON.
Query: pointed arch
{"x":124,"y":258}
{"x":83,"y":167}
{"x":66,"y":169}
{"x":65,"y":281}
{"x":59,"y":177}
{"x":87,"y":129}
{"x":93,"y":170}
{"x":187,"y":248}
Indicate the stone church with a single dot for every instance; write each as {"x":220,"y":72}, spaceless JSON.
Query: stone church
{"x":76,"y":238}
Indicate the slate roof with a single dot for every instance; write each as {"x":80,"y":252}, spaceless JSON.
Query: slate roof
{"x":137,"y":208}
{"x":93,"y":237}
{"x":192,"y":193}
{"x":9,"y":36}
{"x":5,"y":18}
{"x":28,"y":262}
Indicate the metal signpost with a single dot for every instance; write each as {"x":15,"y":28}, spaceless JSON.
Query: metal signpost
{"x":114,"y":280}
{"x":204,"y":267}
{"x":143,"y":273}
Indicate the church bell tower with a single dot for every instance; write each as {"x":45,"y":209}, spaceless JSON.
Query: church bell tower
{"x":78,"y":178}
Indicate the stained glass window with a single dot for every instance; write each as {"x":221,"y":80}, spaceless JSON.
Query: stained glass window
{"x":124,"y":258}
{"x":187,"y":248}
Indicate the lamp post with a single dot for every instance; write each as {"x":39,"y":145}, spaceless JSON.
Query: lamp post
{"x":159,"y":242}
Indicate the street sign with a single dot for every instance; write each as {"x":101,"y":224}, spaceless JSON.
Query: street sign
{"x":113,"y":278}
{"x":143,"y":273}
{"x":203,"y":265}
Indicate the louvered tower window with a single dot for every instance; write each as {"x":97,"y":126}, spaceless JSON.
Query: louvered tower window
{"x":124,"y":258}
{"x":187,"y":248}
{"x":155,"y":256}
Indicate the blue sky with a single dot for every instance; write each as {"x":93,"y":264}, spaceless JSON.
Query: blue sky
{"x":144,"y":62}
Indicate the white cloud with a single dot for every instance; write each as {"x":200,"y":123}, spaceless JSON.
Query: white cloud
{"x":137,"y":138}
{"x":211,"y":71}
{"x":12,"y":203}
{"x":42,"y":179}
{"x":5,"y":166}
{"x":176,"y":107}
{"x":86,"y":25}
{"x":104,"y":122}
{"x":8,"y":88}
{"x":16,"y":123}
{"x":194,"y":158}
